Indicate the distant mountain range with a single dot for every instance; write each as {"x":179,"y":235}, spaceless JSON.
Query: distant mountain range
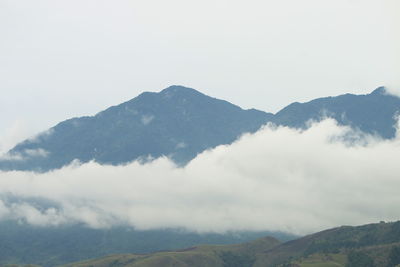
{"x":180,"y":123}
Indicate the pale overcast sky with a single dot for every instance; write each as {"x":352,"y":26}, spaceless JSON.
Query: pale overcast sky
{"x":66,"y":58}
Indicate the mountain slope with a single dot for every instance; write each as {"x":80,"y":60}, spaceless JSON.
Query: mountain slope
{"x":374,"y":113}
{"x":338,"y":240}
{"x":242,"y":255}
{"x":178,"y":122}
{"x":362,"y":246}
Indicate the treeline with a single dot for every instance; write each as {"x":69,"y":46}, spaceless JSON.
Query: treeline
{"x":363,"y":259}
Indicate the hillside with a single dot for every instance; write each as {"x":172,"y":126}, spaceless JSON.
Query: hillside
{"x":51,"y":246}
{"x":177,"y":122}
{"x":201,"y":256}
{"x":373,"y":113}
{"x":362,"y":246}
{"x":338,"y":240}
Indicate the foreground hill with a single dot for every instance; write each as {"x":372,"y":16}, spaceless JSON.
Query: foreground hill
{"x":242,"y":255}
{"x":342,"y":241}
{"x":52,"y":246}
{"x":180,"y":123}
{"x":363,"y":246}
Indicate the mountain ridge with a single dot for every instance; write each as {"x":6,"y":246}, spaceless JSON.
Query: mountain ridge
{"x":180,"y":122}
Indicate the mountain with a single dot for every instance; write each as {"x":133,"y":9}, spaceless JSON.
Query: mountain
{"x":180,"y":123}
{"x":374,"y":113}
{"x":373,"y":245}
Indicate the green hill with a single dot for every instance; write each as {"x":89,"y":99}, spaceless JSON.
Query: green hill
{"x":201,"y":256}
{"x":341,"y":240}
{"x":373,"y":245}
{"x":52,"y":246}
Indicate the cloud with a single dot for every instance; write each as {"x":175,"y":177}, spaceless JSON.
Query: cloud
{"x":45,"y":134}
{"x":181,"y":145}
{"x":146,"y":119}
{"x":15,"y":134}
{"x":393,"y":90}
{"x":12,"y":134}
{"x":24,"y":155}
{"x":276,"y":179}
{"x":40,"y":152}
{"x":11,"y":157}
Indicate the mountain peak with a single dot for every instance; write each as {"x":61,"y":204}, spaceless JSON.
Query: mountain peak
{"x":379,"y":91}
{"x":178,"y":90}
{"x":179,"y":122}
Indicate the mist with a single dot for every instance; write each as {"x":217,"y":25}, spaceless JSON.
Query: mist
{"x":278,"y":179}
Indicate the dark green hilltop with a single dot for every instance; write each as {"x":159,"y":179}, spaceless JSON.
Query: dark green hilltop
{"x":180,"y":123}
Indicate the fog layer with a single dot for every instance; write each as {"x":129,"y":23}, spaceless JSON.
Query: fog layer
{"x":276,"y":179}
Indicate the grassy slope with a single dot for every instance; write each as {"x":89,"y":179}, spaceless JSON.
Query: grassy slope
{"x":53,"y":246}
{"x":330,"y":248}
{"x":201,"y":256}
{"x":379,"y":254}
{"x":338,"y":240}
{"x":322,"y":260}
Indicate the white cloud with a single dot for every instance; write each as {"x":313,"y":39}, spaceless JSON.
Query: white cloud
{"x":40,"y":152}
{"x":34,"y":216}
{"x":26,"y":154}
{"x":11,"y":135}
{"x":146,"y":119}
{"x":45,"y":134}
{"x":11,"y":157}
{"x":393,"y":90}
{"x":181,"y":145}
{"x":276,"y":179}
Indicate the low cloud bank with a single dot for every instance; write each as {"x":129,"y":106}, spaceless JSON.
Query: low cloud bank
{"x":10,"y":136}
{"x":276,"y":179}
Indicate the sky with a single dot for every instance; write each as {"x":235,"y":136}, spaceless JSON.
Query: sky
{"x":278,"y":179}
{"x":61,"y":59}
